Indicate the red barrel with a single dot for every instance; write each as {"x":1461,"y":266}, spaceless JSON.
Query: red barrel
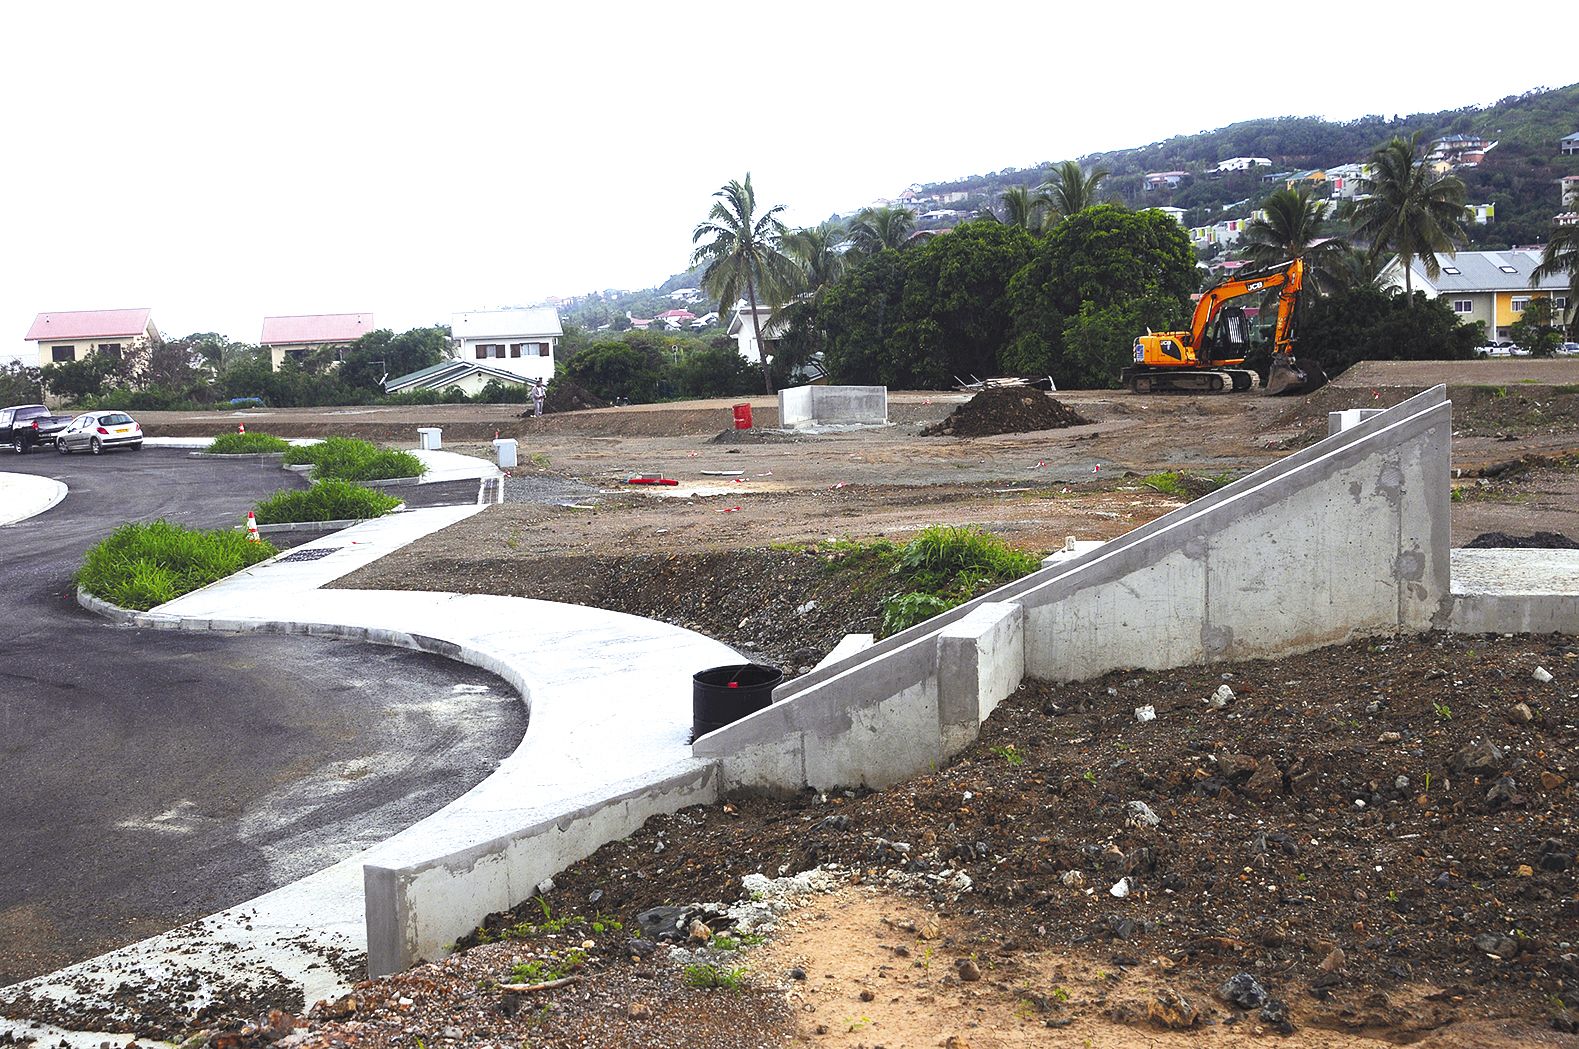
{"x":742,"y":416}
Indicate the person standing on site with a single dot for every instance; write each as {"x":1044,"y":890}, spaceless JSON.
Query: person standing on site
{"x":539,"y":391}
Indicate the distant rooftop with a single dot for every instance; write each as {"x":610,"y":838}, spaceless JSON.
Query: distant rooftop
{"x":315,"y":329}
{"x":490,"y":324}
{"x":1488,"y":271}
{"x":88,"y":324}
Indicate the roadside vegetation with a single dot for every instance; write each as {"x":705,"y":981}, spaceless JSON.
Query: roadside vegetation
{"x":247,"y":444}
{"x":141,"y":565}
{"x":940,"y":568}
{"x":350,"y":459}
{"x":327,"y":500}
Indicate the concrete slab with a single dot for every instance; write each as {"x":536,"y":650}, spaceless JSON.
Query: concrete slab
{"x":1515,"y":591}
{"x":24,"y":495}
{"x":825,"y":406}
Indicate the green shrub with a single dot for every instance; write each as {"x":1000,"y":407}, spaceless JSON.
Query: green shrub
{"x":941,"y":552}
{"x":903,"y":611}
{"x":146,"y":564}
{"x":328,"y":500}
{"x":247,"y":444}
{"x":350,"y":459}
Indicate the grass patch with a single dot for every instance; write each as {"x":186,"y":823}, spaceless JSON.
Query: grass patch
{"x":146,"y":564}
{"x":1182,"y":485}
{"x":247,"y":444}
{"x":350,"y":459}
{"x":712,"y":976}
{"x":940,"y":568}
{"x":329,"y":500}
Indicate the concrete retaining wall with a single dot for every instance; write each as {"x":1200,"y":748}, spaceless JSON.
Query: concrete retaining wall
{"x":806,"y":406}
{"x":1345,"y":538}
{"x":414,"y":912}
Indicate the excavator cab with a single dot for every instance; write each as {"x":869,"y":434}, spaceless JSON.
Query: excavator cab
{"x":1228,"y":339}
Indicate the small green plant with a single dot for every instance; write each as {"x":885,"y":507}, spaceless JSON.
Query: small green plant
{"x":553,"y":967}
{"x":246,"y":444}
{"x":707,"y":975}
{"x":328,"y":500}
{"x":141,"y":565}
{"x":1167,"y":482}
{"x":855,"y":1023}
{"x":350,"y":459}
{"x":903,"y":611}
{"x":1392,"y":896}
{"x":1089,"y":776}
{"x":1010,"y":753}
{"x":1426,"y":789}
{"x":1443,"y":711}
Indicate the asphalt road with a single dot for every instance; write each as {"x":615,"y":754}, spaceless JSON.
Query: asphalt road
{"x":150,"y":777}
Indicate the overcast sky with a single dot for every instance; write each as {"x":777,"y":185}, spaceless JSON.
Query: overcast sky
{"x":219,"y":162}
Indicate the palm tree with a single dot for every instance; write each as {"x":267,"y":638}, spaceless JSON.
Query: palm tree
{"x":1294,"y":226}
{"x":1020,"y":208}
{"x":1069,"y":191}
{"x":877,"y":228}
{"x":816,"y":255}
{"x":741,"y":252}
{"x":1410,"y":209}
{"x":1561,"y":255}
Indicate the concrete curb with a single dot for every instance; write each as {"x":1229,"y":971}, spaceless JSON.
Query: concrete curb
{"x":57,"y":492}
{"x":243,"y":457}
{"x":318,"y":526}
{"x":115,"y":613}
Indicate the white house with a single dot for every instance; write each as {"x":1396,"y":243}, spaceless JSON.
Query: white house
{"x":1243,"y":163}
{"x":743,"y":331}
{"x":1176,"y":214}
{"x":1570,"y":144}
{"x":72,"y":336}
{"x":517,"y":341}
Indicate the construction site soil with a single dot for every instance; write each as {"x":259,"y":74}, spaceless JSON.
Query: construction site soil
{"x":1006,"y":411}
{"x":1380,"y":836}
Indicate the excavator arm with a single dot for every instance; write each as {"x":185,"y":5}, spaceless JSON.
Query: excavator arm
{"x":1289,"y":277}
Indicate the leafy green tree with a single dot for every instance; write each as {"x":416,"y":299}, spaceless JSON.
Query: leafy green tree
{"x":1410,"y":211}
{"x":1295,"y":227}
{"x":379,"y":353}
{"x":19,"y":384}
{"x":1100,"y":257}
{"x":1367,"y":324}
{"x":86,"y":377}
{"x":612,"y":369}
{"x":875,"y":229}
{"x":715,"y":370}
{"x":1069,"y":191}
{"x":1560,"y":257}
{"x":818,"y":256}
{"x":1538,"y":329}
{"x":1097,"y":341}
{"x":739,"y":251}
{"x":859,"y":319}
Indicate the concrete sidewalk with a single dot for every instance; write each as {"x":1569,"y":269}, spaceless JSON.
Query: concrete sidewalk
{"x":24,"y":495}
{"x":609,"y":697}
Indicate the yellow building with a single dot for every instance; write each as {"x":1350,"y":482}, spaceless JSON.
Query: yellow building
{"x":1492,"y":287}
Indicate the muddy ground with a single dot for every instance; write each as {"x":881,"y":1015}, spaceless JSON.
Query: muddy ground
{"x":1380,"y":834}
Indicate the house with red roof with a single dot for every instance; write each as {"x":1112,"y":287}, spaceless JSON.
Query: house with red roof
{"x":72,"y":336}
{"x":293,"y":338}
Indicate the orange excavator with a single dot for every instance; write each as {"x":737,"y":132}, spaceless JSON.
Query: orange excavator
{"x":1209,"y":357}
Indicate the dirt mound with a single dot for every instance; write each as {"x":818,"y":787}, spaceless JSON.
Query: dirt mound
{"x":1534,"y":541}
{"x":755,"y":436}
{"x":1006,"y":411}
{"x":566,"y":396}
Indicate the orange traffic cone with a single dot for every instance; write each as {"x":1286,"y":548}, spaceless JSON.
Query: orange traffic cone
{"x":252,"y":528}
{"x":241,"y":427}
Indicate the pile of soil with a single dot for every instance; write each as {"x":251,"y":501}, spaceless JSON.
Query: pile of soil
{"x":567,"y":396}
{"x":1533,"y":541}
{"x":1021,"y":410}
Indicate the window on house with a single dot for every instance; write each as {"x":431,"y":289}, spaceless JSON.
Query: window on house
{"x":1463,"y":306}
{"x":1559,"y":302}
{"x":1452,"y":270}
{"x":110,"y":349}
{"x":62,"y":354}
{"x":1518,"y":303}
{"x":482,"y":351}
{"x":543,"y":350}
{"x":1507,"y":269}
{"x":515,"y":348}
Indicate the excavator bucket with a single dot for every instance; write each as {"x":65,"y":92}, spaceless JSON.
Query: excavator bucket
{"x":1289,"y":378}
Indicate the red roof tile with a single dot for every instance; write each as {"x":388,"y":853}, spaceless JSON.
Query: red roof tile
{"x":88,"y":324}
{"x":313,"y":329}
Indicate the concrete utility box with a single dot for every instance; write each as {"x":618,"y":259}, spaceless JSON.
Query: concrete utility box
{"x":504,"y":449}
{"x":430,"y":438}
{"x":1337,"y":422}
{"x":807,"y":406}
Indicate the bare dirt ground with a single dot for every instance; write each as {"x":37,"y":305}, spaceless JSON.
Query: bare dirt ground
{"x":1340,"y":832}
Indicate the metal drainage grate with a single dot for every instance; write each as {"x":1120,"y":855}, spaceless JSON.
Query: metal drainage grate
{"x":308,"y":555}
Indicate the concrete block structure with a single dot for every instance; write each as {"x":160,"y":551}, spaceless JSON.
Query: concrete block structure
{"x":803,"y":407}
{"x":1346,"y":538}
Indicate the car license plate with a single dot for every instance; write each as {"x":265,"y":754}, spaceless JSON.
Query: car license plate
{"x":122,"y":429}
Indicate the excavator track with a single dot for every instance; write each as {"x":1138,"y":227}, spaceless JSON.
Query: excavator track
{"x":1216,"y":380}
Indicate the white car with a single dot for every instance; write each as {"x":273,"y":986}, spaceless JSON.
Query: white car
{"x":97,"y":431}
